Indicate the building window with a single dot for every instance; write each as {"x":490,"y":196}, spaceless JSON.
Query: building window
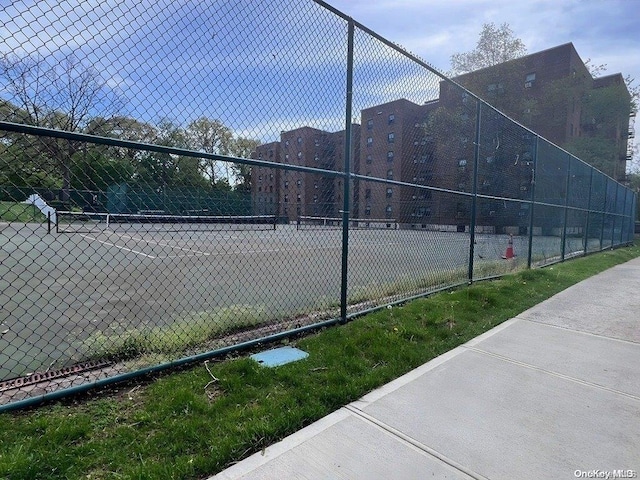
{"x":418,"y":212}
{"x":495,"y":88}
{"x":260,"y":178}
{"x":286,"y":157}
{"x":315,"y":199}
{"x":389,"y":156}
{"x":388,"y":211}
{"x":367,"y":193}
{"x":462,"y":163}
{"x":270,"y":188}
{"x":271,"y":176}
{"x":299,"y":154}
{"x":298,"y":198}
{"x":299,"y":140}
{"x":286,"y":198}
{"x":529,"y":80}
{"x":259,"y":189}
{"x":369,"y":141}
{"x":391,"y":137}
{"x":286,"y":143}
{"x":286,"y":184}
{"x":369,"y":124}
{"x":367,"y":210}
{"x":369,"y":159}
{"x":315,"y":185}
{"x":392,"y":118}
{"x":390,"y":174}
{"x":298,"y":182}
{"x":389,"y":192}
{"x":317,"y":143}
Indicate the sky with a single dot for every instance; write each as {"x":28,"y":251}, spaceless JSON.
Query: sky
{"x":266,"y":66}
{"x":605,"y":31}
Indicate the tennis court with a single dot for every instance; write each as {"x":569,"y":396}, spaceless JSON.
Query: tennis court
{"x":59,"y":289}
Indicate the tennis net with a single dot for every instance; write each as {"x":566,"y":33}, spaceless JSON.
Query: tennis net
{"x":333,"y":223}
{"x":78,"y":222}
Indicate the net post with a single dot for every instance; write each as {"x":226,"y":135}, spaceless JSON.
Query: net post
{"x":57,"y":222}
{"x":107,"y":222}
{"x":48,"y":221}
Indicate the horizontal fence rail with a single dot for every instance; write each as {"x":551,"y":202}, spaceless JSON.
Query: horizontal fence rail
{"x":191,"y":183}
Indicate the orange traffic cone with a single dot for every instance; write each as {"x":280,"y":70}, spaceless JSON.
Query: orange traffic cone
{"x":509,"y":253}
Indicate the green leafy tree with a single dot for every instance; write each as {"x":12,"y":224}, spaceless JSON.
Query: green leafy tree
{"x":92,"y":169}
{"x":605,"y":122}
{"x":243,"y":148}
{"x":499,"y":85}
{"x":211,"y":136}
{"x":496,"y":45}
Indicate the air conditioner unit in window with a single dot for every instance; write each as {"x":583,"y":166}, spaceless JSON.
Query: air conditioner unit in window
{"x":528,"y":84}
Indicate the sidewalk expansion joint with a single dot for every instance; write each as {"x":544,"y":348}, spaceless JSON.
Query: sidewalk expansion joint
{"x":581,"y":332}
{"x":414,"y":443}
{"x":551,"y":372}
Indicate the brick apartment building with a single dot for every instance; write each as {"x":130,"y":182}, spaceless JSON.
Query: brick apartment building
{"x":433,"y":144}
{"x":549,"y":92}
{"x":394,"y":145}
{"x":291,"y":194}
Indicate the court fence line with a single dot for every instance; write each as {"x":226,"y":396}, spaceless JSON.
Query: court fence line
{"x":160,"y":256}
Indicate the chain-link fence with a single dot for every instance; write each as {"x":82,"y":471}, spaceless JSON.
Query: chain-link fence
{"x":180,"y":179}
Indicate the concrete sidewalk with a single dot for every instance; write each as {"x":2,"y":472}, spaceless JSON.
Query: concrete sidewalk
{"x":552,"y":393}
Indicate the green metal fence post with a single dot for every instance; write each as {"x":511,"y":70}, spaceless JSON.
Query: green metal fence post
{"x":604,"y":214}
{"x":615,"y":207}
{"x":347,"y":176}
{"x":622,"y":219}
{"x":587,"y":223}
{"x":566,"y":211}
{"x":533,"y":200}
{"x":474,"y":191}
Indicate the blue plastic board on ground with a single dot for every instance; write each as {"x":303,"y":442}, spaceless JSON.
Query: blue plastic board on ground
{"x":279,"y":356}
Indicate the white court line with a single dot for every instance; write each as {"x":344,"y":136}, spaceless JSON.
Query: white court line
{"x":166,"y":245}
{"x":269,"y":250}
{"x":118,"y":246}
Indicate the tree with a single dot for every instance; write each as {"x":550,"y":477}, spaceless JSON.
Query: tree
{"x":243,"y":148}
{"x":500,"y":85}
{"x":61,"y":94}
{"x":93,"y":169}
{"x":496,"y":45}
{"x":210,"y":136}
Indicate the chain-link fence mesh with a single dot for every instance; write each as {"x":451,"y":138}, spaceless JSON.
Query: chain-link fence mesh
{"x":178,"y":178}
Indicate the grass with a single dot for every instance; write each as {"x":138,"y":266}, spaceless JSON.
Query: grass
{"x":146,"y":346}
{"x":193,"y":423}
{"x":20,"y":212}
{"x":188,"y":331}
